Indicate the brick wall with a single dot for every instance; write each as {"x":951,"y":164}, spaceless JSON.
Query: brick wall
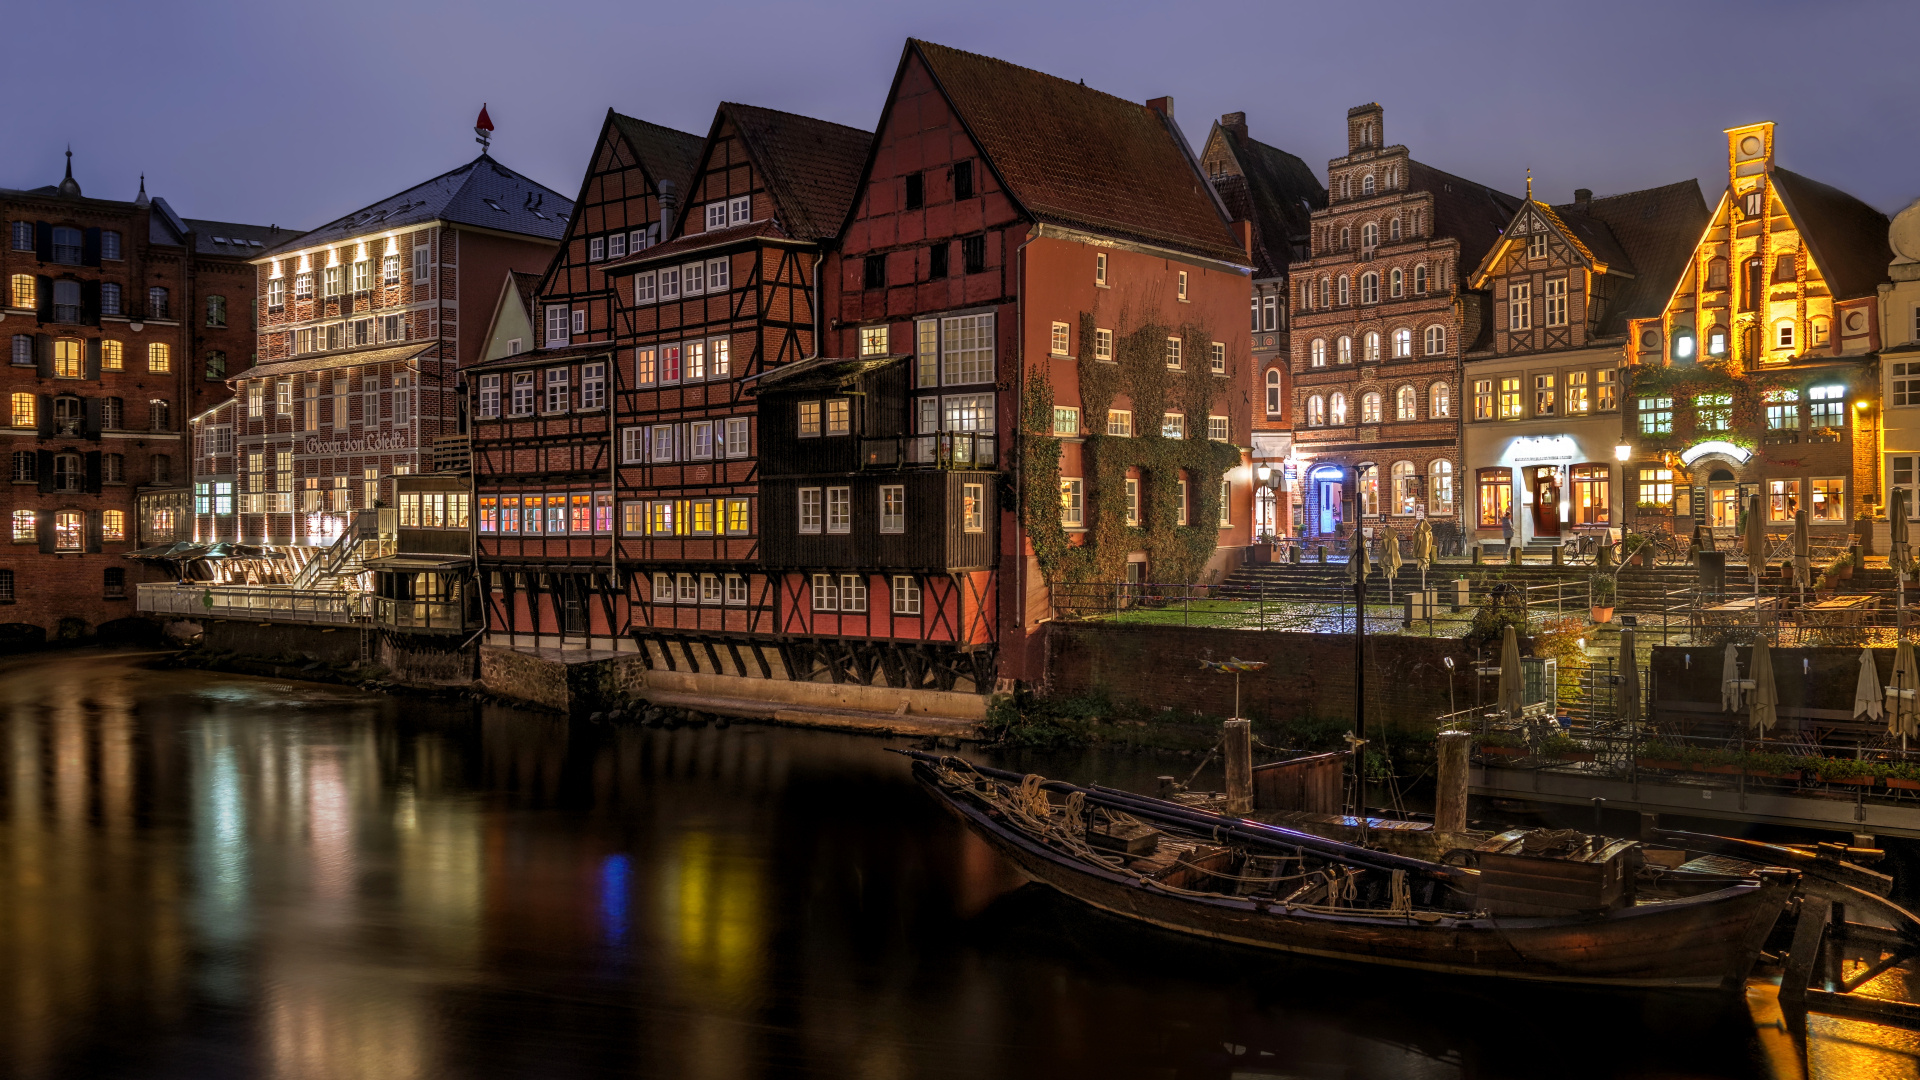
{"x":1308,"y":675}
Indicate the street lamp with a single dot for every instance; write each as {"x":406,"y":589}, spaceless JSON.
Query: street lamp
{"x":1623,"y":451}
{"x":1265,"y":473}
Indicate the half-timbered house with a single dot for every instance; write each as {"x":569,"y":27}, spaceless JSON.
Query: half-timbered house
{"x":543,"y":437}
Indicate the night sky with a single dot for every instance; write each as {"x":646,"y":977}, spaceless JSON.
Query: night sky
{"x":295,"y":114}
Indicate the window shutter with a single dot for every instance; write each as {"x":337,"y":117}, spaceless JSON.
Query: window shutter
{"x":93,"y":471}
{"x":93,"y":530}
{"x":90,"y":248}
{"x":93,"y":356}
{"x":43,"y":293}
{"x":90,"y":303}
{"x":43,"y":528}
{"x":44,"y":472}
{"x":43,"y":242}
{"x":45,"y":414}
{"x":96,"y":410}
{"x":43,"y":354}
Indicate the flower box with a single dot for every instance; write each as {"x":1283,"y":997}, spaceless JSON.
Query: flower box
{"x":1654,"y":763}
{"x":1857,"y":781}
{"x":1504,"y":751}
{"x":1903,"y":783}
{"x":1601,"y":614}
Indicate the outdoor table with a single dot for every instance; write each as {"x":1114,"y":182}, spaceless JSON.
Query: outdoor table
{"x":1744,"y":611}
{"x":1839,"y":611}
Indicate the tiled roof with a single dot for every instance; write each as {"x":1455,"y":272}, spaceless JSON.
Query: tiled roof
{"x":372,"y":354}
{"x":544,"y":356}
{"x":811,"y":167}
{"x":1277,"y":192}
{"x":528,"y":286}
{"x":820,"y":371}
{"x":1472,"y":213}
{"x":1077,"y":157}
{"x":1846,"y":237}
{"x":666,"y":154}
{"x":482,"y":192}
{"x":692,"y":242}
{"x":240,"y":241}
{"x":1656,"y":230}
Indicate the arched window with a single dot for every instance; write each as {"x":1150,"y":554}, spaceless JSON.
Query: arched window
{"x":1369,"y":408}
{"x":1373,"y":346}
{"x":1346,"y":292}
{"x":1393,"y":177}
{"x":1366,"y":184}
{"x":1420,"y":278}
{"x":1752,"y":284}
{"x":1436,"y":341}
{"x":1396,"y":284}
{"x":159,"y":415}
{"x":26,"y":467}
{"x":1393,"y":229}
{"x":1273,"y":391}
{"x":1440,"y":487}
{"x":1402,"y":343}
{"x":1346,"y":190}
{"x":1317,"y":353}
{"x":1338,"y":409}
{"x":1346,"y":349}
{"x":1369,"y":288}
{"x":1783,"y":334}
{"x":1326,"y":292}
{"x":1406,"y":404}
{"x":1366,"y":485}
{"x":1439,"y":401}
{"x":1369,"y":236}
{"x":1406,"y":488}
{"x":1306,"y":295}
{"x":157,"y":302}
{"x":1346,"y":237}
{"x":1316,"y":411}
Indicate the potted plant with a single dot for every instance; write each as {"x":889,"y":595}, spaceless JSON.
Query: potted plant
{"x":1844,"y":561}
{"x":1601,"y":591}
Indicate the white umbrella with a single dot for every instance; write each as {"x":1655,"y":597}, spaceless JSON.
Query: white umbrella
{"x":1903,"y":719}
{"x":1866,"y":690}
{"x":1391,"y":560}
{"x":1511,"y":697}
{"x":1423,"y":548}
{"x":1730,"y":699}
{"x":1765,"y":701}
{"x":1756,"y":542}
{"x":1629,"y":704}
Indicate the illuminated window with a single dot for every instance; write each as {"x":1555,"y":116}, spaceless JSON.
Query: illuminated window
{"x":1317,"y":353}
{"x":1496,"y":496}
{"x":1607,"y":389}
{"x":1274,"y":402}
{"x":159,"y":358}
{"x":1344,"y":349}
{"x":25,"y":292}
{"x":1439,"y":401}
{"x":1316,"y":411}
{"x":1370,"y":408}
{"x":1713,"y":412}
{"x":1579,"y":394}
{"x":1545,"y":401}
{"x":873,"y":340}
{"x":1173,"y":425}
{"x":1405,"y":487}
{"x":1103,"y":345}
{"x":1828,"y":408}
{"x":1783,"y":499}
{"x":1396,"y":281}
{"x":1066,"y":420}
{"x":1656,"y":488}
{"x":1337,"y":409}
{"x":1440,"y":487}
{"x":1406,"y":404}
{"x":69,"y":530}
{"x":1783,"y":334}
{"x":1072,"y":502}
{"x":1373,"y":346}
{"x":1402,"y":343}
{"x":1656,"y":415}
{"x":67,"y":358}
{"x":1829,"y":499}
{"x":25,"y":411}
{"x":1511,"y":406}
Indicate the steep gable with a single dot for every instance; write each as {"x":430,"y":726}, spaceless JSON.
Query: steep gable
{"x":1847,"y":238}
{"x":810,"y":167}
{"x":1274,"y":190}
{"x":1655,"y":230}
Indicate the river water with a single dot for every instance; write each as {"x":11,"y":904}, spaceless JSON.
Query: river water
{"x":211,"y":876}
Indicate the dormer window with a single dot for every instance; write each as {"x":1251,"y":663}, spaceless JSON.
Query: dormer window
{"x":716,"y":216}
{"x":740,"y":210}
{"x":1537,"y":246}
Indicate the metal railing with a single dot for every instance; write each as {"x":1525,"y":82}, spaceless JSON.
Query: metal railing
{"x":265,"y":603}
{"x":947,"y":450}
{"x":425,"y":616}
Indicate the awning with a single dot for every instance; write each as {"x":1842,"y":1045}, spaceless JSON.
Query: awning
{"x":171,"y":552}
{"x":419,"y":564}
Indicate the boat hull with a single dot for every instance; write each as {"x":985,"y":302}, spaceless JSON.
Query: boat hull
{"x":1704,"y":942}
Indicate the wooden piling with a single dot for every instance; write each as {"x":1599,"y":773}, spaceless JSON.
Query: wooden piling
{"x":1450,"y":802}
{"x":1238,"y":752}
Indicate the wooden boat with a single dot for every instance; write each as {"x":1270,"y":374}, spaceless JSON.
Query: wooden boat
{"x":1579,"y":915}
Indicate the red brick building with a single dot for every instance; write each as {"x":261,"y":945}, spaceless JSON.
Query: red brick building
{"x":1381,"y":319}
{"x":122,"y":319}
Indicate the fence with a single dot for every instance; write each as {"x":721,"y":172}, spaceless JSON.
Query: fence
{"x":266,"y":603}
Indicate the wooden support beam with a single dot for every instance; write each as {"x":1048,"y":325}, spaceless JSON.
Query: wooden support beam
{"x":1804,"y":954}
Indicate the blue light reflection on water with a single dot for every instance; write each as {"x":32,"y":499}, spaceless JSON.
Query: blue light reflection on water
{"x":616,"y":880}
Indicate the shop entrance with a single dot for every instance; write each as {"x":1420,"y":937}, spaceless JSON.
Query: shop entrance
{"x":1723,"y":500}
{"x":1546,"y":501}
{"x":1325,"y":491}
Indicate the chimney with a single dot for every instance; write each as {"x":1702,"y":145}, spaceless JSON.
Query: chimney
{"x":666,"y":210}
{"x":1581,"y":197}
{"x":1235,"y":122}
{"x":1161,"y":105}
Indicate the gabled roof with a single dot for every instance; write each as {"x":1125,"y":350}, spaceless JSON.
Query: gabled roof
{"x":482,"y":193}
{"x":527,"y":285}
{"x":1276,"y":191}
{"x":810,"y":167}
{"x":664,"y":153}
{"x":1472,"y":213}
{"x":1846,"y":237}
{"x":1656,"y":230}
{"x":1073,"y":156}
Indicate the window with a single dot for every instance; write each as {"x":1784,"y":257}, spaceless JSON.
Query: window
{"x":1133,"y":502}
{"x":216,"y":367}
{"x":893,"y":508}
{"x":23,"y":241}
{"x":1656,"y":488}
{"x":1607,"y":387}
{"x":663,"y":588}
{"x":1345,"y":291}
{"x":1407,"y":487}
{"x":699,"y":517}
{"x":1828,"y":408}
{"x":1369,"y":233}
{"x":1817,"y":331}
{"x":1180,"y":504}
{"x":1656,"y":415}
{"x":1226,"y":503}
{"x":973,"y":508}
{"x":966,"y":349}
{"x":1520,"y":306}
{"x":1402,"y":343}
{"x":69,"y":530}
{"x":660,"y":518}
{"x":1420,"y":279}
{"x":662,"y":443}
{"x":809,"y":419}
{"x":159,"y":358}
{"x":1393,"y":233}
{"x":973,"y":254}
{"x":67,"y":362}
{"x":1370,"y":408}
{"x":66,"y":301}
{"x":1270,"y":306}
{"x":873,"y":340}
{"x":596,"y":249}
{"x":1337,"y":409}
{"x":1173,"y":352}
{"x":1316,"y":411}
{"x":1366,"y":187}
{"x":362,"y":331}
{"x":695,"y":353}
{"x":1100,"y":268}
{"x":1217,"y":357}
{"x":66,"y":245}
{"x":1274,"y":401}
{"x":1057,"y":344}
{"x":645,"y":367}
{"x":643,"y":288}
{"x":1783,"y":334}
{"x":1783,"y":409}
{"x":1590,"y":485}
{"x":1317,"y":353}
{"x":1829,"y":499}
{"x":25,"y":291}
{"x":1344,"y":349}
{"x":716,"y":216}
{"x":1066,"y":420}
{"x":522,"y":393}
{"x":1511,"y":407}
{"x":633,"y":445}
{"x":700,"y":435}
{"x":839,"y":416}
{"x":839,"y":509}
{"x":1545,"y":402}
{"x":26,"y":467}
{"x":1173,"y":426}
{"x":906,"y":595}
{"x":394,"y":328}
{"x":710,"y":588}
{"x":1905,"y":384}
{"x":669,"y":283}
{"x":1537,"y":246}
{"x":1369,"y":286}
{"x":1072,"y":502}
{"x":1406,"y":404}
{"x":1440,"y":487}
{"x":1120,"y":422}
{"x":1439,"y":401}
{"x":874,"y":272}
{"x":1579,"y":402}
{"x":559,"y":324}
{"x":1783,"y":499}
{"x":1103,"y":345}
{"x":1219,"y":428}
{"x":736,"y":438}
{"x":826,"y":592}
{"x":1713,"y":412}
{"x":1496,"y":496}
{"x":740,"y":210}
{"x":686,"y":588}
{"x":736,"y":589}
{"x":26,"y":529}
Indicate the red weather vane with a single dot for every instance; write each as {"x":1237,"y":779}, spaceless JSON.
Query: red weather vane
{"x":483,"y":127}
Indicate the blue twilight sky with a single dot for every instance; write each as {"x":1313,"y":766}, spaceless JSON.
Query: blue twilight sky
{"x":295,"y":114}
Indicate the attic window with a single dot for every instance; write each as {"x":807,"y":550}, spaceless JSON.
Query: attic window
{"x":495,"y":205}
{"x":219,"y":239}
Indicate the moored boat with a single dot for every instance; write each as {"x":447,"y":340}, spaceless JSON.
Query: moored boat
{"x":1532,"y":904}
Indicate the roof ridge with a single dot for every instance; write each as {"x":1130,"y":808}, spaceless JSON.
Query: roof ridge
{"x":1411,"y":161}
{"x":795,"y":115}
{"x":1036,"y":71}
{"x":618,"y":115}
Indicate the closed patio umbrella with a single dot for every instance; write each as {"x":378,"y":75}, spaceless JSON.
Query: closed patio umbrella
{"x":1423,"y":549}
{"x":1763,"y":706}
{"x":1359,"y":562}
{"x":1730,"y":697}
{"x":1390,"y":559}
{"x":1900,"y":556}
{"x":1867,"y":690}
{"x":1756,"y":542}
{"x":1629,"y":704}
{"x":1802,"y":554}
{"x":1511,"y":698}
{"x":1903,"y":718}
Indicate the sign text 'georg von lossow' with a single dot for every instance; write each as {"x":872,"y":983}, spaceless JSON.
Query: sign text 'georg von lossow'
{"x":359,"y":444}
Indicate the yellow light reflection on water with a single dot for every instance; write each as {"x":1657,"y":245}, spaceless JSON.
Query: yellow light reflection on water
{"x":713,"y":912}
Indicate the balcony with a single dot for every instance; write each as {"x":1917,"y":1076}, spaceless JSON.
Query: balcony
{"x":425,"y":616}
{"x":260,"y":603}
{"x":964,"y":450}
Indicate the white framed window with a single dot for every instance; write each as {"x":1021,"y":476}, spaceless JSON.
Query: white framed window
{"x":873,"y":340}
{"x":716,"y":216}
{"x":616,"y":245}
{"x":1173,"y":425}
{"x":633,"y":445}
{"x":736,"y":446}
{"x":1180,"y":507}
{"x":1103,"y":345}
{"x":593,"y":386}
{"x":719,"y":358}
{"x":1370,"y":408}
{"x":1058,"y":341}
{"x":1420,"y":279}
{"x":810,"y":510}
{"x":1520,"y":306}
{"x":670,"y":357}
{"x":1073,"y":510}
{"x":1100,"y":268}
{"x":693,"y":279}
{"x":710,"y":589}
{"x":826,"y":592}
{"x":1440,"y":487}
{"x":695,"y":353}
{"x":1275,"y":403}
{"x":839,"y":509}
{"x":663,"y":588}
{"x":643,"y":288}
{"x":736,"y":589}
{"x":893,"y":508}
{"x":686,"y":588}
{"x":1120,"y":422}
{"x":1317,"y":353}
{"x":1557,"y":301}
{"x":276,"y":293}
{"x":739,"y":520}
{"x":1337,"y":408}
{"x":579,"y":320}
{"x":1173,"y":352}
{"x":1537,"y":246}
{"x":1344,"y":349}
{"x":719,"y":274}
{"x":1369,"y":287}
{"x":283,"y":398}
{"x":839,"y":416}
{"x":906,"y":595}
{"x":1133,"y":502}
{"x":966,"y":350}
{"x":1219,"y":428}
{"x":853,"y":593}
{"x":1402,"y":343}
{"x":596,"y":249}
{"x":559,"y":324}
{"x":669,"y":283}
{"x":1226,"y":504}
{"x":1406,"y":404}
{"x":740,"y":210}
{"x":1183,"y":286}
{"x":809,"y":420}
{"x":662,"y":448}
{"x":1066,"y":420}
{"x":257,"y":393}
{"x":1436,"y":340}
{"x":489,"y":397}
{"x":973,"y":508}
{"x":557,"y":396}
{"x":700,"y":435}
{"x":1783,"y":334}
{"x":646,"y":367}
{"x":1217,"y":357}
{"x":422,"y":262}
{"x":1439,"y":401}
{"x":1316,"y":411}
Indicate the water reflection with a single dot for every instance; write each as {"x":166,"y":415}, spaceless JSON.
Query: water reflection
{"x":247,"y":878}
